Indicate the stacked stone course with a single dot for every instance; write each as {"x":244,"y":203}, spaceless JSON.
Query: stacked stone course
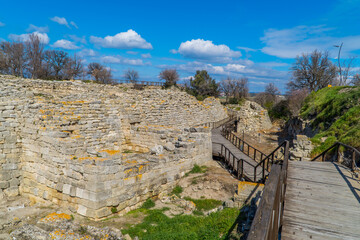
{"x":92,"y":147}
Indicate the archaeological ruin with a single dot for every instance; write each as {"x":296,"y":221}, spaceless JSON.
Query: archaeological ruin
{"x":91,"y":147}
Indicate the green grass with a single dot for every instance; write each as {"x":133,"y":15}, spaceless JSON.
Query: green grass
{"x":177,"y":190}
{"x":198,"y":169}
{"x":335,"y":113}
{"x":157,"y":225}
{"x":114,"y":210}
{"x":148,"y":204}
{"x":205,"y":204}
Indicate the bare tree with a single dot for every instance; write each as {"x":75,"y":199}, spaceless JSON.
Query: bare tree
{"x":15,"y":52}
{"x":105,"y":76}
{"x":356,"y":80}
{"x":241,"y":88}
{"x":94,"y":70}
{"x":235,"y":88}
{"x":131,"y":75}
{"x":227,"y":86}
{"x":346,"y":68}
{"x":313,"y":71}
{"x":74,"y":67}
{"x":271,"y":90}
{"x":170,"y":76}
{"x":34,"y":53}
{"x":100,"y":73}
{"x":56,"y":60}
{"x":4,"y":66}
{"x":296,"y":99}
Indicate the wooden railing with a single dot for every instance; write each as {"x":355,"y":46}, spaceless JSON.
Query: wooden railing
{"x":219,"y":123}
{"x":144,"y":83}
{"x":233,"y":163}
{"x":267,"y":222}
{"x":350,"y":155}
{"x":243,"y":146}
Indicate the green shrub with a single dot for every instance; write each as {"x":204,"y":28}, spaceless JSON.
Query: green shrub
{"x":114,"y":210}
{"x":148,"y":204}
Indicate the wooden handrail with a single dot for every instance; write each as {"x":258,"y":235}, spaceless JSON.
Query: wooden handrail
{"x":147,"y":83}
{"x":336,"y":146}
{"x":268,"y":218}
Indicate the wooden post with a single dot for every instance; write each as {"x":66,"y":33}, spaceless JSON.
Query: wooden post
{"x":353,"y":165}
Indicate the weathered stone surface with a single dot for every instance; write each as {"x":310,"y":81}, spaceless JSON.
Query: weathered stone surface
{"x":91,"y":146}
{"x":252,"y":117}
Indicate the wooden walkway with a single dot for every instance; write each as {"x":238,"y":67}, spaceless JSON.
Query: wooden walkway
{"x":321,"y":202}
{"x":218,"y":139}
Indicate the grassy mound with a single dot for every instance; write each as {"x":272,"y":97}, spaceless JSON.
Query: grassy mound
{"x":335,"y":113}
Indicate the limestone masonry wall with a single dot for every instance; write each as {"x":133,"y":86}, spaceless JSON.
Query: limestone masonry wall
{"x":92,"y":147}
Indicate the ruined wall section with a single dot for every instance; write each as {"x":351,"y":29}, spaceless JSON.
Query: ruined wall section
{"x":11,"y":107}
{"x":89,"y":146}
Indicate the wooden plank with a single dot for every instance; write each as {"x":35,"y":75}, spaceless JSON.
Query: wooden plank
{"x":319,"y":203}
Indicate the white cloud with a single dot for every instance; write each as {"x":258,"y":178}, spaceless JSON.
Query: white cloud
{"x":33,"y":28}
{"x":65,"y":44}
{"x":78,"y":39}
{"x":205,"y":49}
{"x":132,"y":52}
{"x":288,"y":43}
{"x":246,"y":49}
{"x":44,"y":38}
{"x":60,"y":20}
{"x":122,"y":60}
{"x":87,"y":53}
{"x":74,"y":24}
{"x":123,"y":40}
{"x":146,"y":55}
{"x":2,"y":24}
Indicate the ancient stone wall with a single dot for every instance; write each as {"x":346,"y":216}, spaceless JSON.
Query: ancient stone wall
{"x":252,"y":117}
{"x":92,"y":147}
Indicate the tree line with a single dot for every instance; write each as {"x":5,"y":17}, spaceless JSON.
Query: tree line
{"x":29,"y":59}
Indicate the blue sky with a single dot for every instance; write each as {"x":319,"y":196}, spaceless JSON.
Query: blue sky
{"x":255,"y":39}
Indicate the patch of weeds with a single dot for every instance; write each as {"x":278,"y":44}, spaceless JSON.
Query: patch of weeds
{"x":205,"y":204}
{"x":157,"y":226}
{"x":198,"y":169}
{"x":137,"y":212}
{"x":148,"y":204}
{"x":127,"y":151}
{"x":83,"y":230}
{"x":194,"y":181}
{"x":114,"y":210}
{"x":74,"y":157}
{"x":177,"y":190}
{"x":72,"y":217}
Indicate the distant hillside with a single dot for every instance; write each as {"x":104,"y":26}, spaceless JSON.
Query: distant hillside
{"x":335,"y":114}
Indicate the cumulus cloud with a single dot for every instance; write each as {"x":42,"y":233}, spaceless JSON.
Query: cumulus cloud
{"x":44,"y":38}
{"x":288,"y":43}
{"x":132,"y":52}
{"x":2,"y":24}
{"x":60,"y":20}
{"x":123,"y":40}
{"x":206,"y":50}
{"x":65,"y":44}
{"x":122,"y":60}
{"x":33,"y":28}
